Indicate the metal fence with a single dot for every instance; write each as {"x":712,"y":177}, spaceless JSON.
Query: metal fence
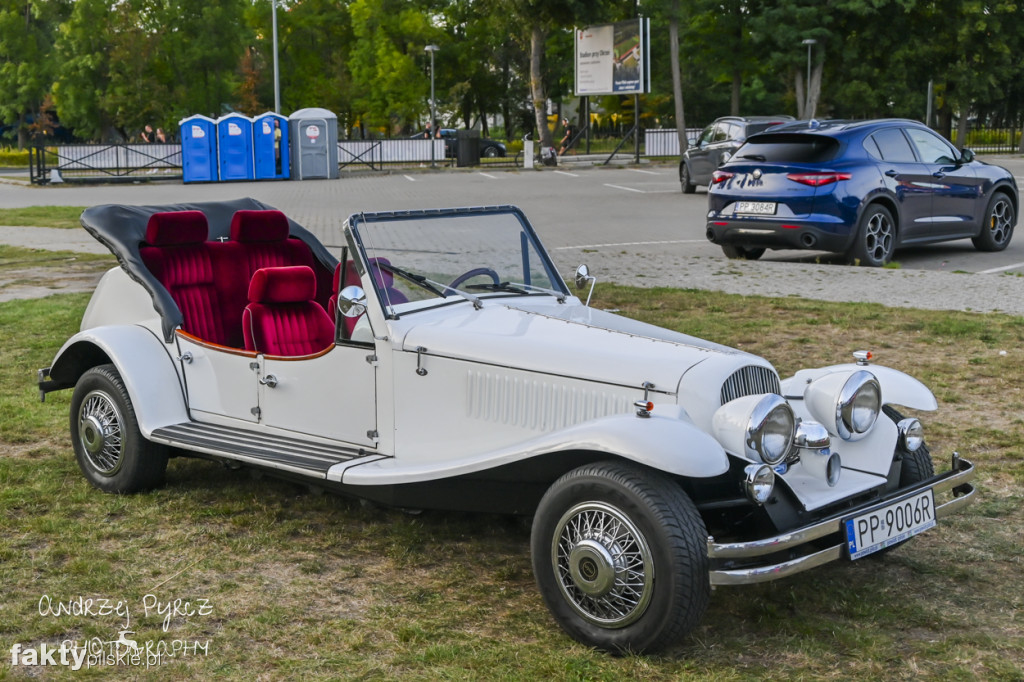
{"x":992,"y":140}
{"x":103,"y":162}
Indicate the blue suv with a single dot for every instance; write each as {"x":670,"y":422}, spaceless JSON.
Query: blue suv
{"x":861,"y":188}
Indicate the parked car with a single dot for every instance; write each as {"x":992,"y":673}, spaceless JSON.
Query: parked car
{"x":442,"y":362}
{"x":488,"y":148}
{"x":861,"y":188}
{"x":716,"y":145}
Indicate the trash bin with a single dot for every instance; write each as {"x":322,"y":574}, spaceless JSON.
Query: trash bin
{"x":234,"y":147}
{"x":314,"y":144}
{"x":467,"y":148}
{"x":198,"y":149}
{"x":270,"y":137}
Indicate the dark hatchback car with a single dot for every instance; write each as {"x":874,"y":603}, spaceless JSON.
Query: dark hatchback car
{"x":861,"y":188}
{"x":488,"y":148}
{"x":716,"y":144}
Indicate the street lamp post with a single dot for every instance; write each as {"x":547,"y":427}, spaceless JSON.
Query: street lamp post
{"x":433,"y":114}
{"x":810,"y":43}
{"x":277,"y":79}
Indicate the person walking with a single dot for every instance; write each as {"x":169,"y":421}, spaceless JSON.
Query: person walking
{"x":569,"y":139}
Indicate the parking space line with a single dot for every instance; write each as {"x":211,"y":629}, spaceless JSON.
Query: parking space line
{"x":598,"y":246}
{"x":488,"y":175}
{"x":409,"y":178}
{"x":628,"y":189}
{"x":992,"y":271}
{"x":571,"y":175}
{"x":640,"y":170}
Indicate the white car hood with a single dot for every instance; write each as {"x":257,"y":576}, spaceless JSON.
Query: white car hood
{"x":561,"y":339}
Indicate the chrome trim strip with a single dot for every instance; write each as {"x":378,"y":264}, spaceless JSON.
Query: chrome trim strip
{"x":756,"y":548}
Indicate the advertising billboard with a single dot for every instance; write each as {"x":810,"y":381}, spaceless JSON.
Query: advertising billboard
{"x":613,"y":58}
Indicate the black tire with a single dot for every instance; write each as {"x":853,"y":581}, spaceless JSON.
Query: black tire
{"x":876,"y":238}
{"x":918,"y":465}
{"x":490,"y":152}
{"x":997,"y":230}
{"x":684,"y":179}
{"x":599,"y":583}
{"x":736,"y":251}
{"x":109,"y":447}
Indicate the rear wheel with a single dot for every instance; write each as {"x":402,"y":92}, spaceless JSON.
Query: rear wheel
{"x":876,"y":238}
{"x":109,"y":447}
{"x":741,"y":252}
{"x":684,"y":179}
{"x":490,"y":152}
{"x":620,"y":557}
{"x":998,"y":226}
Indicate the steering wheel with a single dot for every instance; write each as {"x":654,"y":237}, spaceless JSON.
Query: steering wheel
{"x":475,"y":272}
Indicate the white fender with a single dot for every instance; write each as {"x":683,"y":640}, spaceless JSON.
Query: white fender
{"x":897,"y":388}
{"x":667,"y":441}
{"x":145,"y":364}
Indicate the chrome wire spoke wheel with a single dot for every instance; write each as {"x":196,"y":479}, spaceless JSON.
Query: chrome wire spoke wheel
{"x":1001,"y":220}
{"x":100,"y":434}
{"x":603,"y":564}
{"x":878,"y":237}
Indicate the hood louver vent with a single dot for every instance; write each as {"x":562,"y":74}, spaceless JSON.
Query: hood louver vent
{"x":750,"y":380}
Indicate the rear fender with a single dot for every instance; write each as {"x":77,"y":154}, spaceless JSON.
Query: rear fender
{"x":144,"y":362}
{"x":667,"y":441}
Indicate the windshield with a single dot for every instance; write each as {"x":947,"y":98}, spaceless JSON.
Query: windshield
{"x":425,"y":258}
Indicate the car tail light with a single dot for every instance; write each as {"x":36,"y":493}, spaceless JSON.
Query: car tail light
{"x":818,"y":179}
{"x":720,"y":176}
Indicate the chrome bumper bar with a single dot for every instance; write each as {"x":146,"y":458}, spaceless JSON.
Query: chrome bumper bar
{"x":956,"y":480}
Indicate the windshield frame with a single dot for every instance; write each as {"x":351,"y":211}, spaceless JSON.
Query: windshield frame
{"x":358,"y":222}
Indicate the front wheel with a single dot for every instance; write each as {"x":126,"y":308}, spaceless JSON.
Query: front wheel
{"x":490,"y":152}
{"x":109,"y":447}
{"x":620,"y":557}
{"x":1000,"y":219}
{"x":735,"y":252}
{"x":876,"y":238}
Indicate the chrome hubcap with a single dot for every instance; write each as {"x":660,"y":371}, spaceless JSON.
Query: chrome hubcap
{"x":99,"y":433}
{"x":1001,"y":221}
{"x":878,"y":236}
{"x":603,"y":564}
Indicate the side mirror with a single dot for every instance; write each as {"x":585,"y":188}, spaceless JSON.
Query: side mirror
{"x":966,"y":156}
{"x":582,"y":277}
{"x":352,"y":301}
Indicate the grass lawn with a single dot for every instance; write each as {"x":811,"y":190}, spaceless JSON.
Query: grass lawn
{"x":299,"y":585}
{"x":43,"y":216}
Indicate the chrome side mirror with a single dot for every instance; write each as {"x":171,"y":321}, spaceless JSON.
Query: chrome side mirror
{"x":582,"y":277}
{"x":352,"y":301}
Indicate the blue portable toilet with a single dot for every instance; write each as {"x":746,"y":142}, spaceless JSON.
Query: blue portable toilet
{"x":270,"y":146}
{"x":234,"y":147}
{"x":198,"y":148}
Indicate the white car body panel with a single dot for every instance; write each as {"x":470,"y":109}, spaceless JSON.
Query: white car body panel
{"x":897,"y":388}
{"x":119,"y":299}
{"x":219,"y":385}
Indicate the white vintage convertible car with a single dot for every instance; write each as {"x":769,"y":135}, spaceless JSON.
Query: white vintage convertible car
{"x":442,"y":362}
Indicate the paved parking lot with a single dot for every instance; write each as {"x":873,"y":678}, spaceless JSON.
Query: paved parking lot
{"x":631,"y":224}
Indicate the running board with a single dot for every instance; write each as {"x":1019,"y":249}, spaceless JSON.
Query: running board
{"x":261,"y":449}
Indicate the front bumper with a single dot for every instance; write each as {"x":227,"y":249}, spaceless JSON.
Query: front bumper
{"x":956,"y":480}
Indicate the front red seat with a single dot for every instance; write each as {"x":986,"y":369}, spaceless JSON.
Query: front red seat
{"x":282,"y":317}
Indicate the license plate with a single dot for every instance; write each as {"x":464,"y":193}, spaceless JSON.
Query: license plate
{"x":756,"y":207}
{"x":888,"y":525}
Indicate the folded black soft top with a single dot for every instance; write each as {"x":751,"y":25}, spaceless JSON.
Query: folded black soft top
{"x":122,"y":229}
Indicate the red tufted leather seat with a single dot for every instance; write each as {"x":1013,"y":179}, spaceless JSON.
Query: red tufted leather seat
{"x":282,"y":317}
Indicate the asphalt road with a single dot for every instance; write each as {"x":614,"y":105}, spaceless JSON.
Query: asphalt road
{"x":631,"y":222}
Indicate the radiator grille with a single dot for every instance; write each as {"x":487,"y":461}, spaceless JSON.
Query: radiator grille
{"x":750,"y":380}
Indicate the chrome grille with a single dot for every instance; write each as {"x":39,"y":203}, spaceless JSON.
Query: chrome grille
{"x":750,"y":380}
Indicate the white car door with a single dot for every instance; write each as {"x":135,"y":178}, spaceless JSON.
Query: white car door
{"x":219,"y":382}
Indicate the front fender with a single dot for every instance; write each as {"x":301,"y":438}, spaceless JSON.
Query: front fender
{"x":144,"y":363}
{"x":666,"y":441}
{"x":897,"y":388}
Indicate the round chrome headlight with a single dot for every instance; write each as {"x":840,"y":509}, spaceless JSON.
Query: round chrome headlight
{"x":770,"y":430}
{"x":911,"y":434}
{"x":858,"y":406}
{"x":759,"y":483}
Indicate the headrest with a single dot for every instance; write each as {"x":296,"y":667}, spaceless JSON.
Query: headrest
{"x":290,"y":284}
{"x":383,"y":278}
{"x":174,"y":228}
{"x":259,"y":226}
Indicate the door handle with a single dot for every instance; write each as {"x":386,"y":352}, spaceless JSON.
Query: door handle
{"x":891,"y":173}
{"x":270,"y":381}
{"x":938,"y":174}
